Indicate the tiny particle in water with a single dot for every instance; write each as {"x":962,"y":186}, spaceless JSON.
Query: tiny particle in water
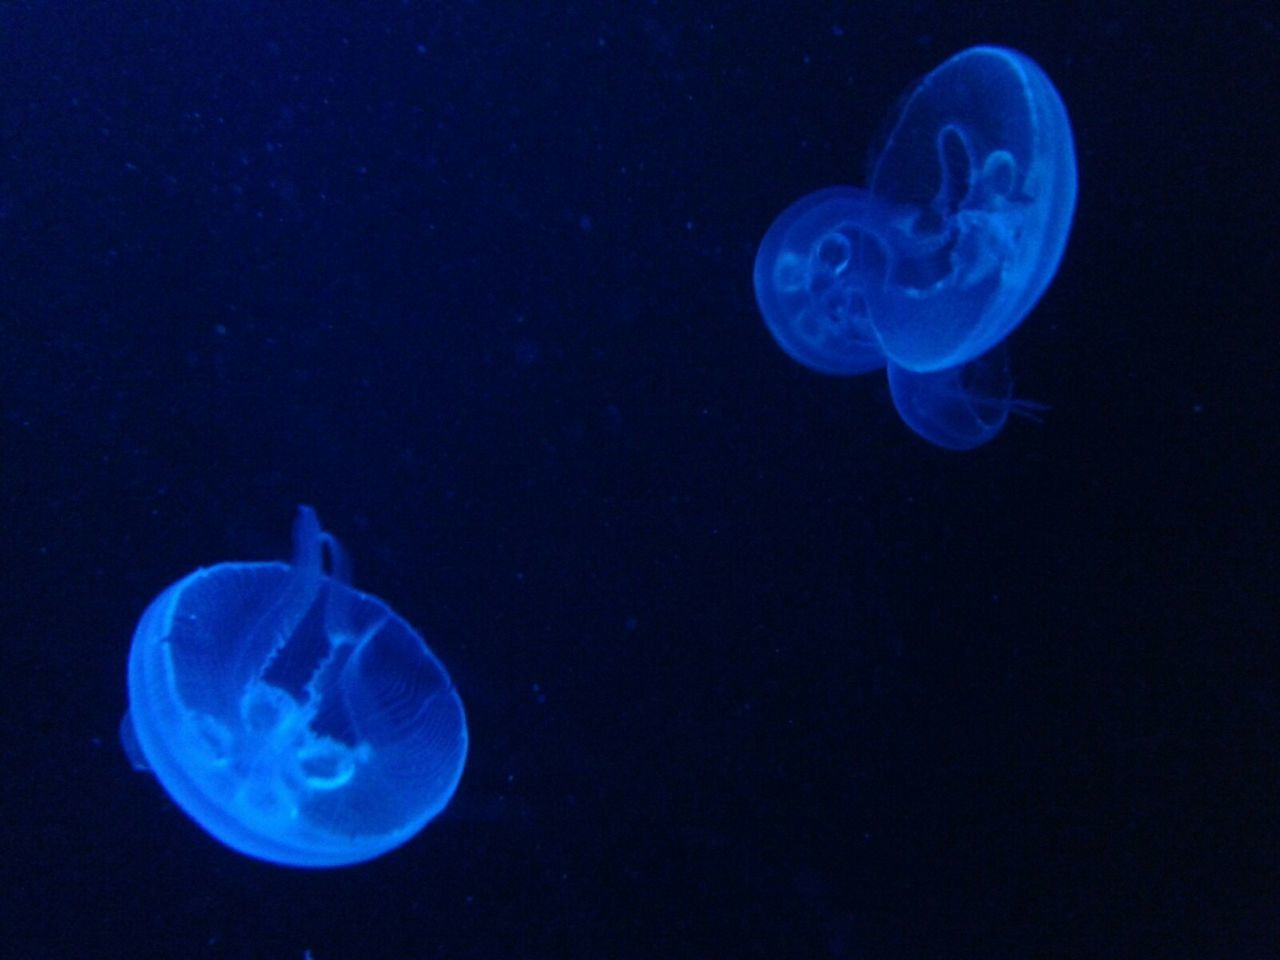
{"x":527,"y":352}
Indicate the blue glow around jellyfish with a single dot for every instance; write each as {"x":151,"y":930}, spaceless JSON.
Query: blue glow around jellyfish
{"x":927,"y":271}
{"x":295,"y":718}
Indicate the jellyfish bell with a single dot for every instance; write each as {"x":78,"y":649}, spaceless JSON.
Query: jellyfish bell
{"x":982,"y":154}
{"x":961,"y":408}
{"x":814,"y":271}
{"x":296,"y":719}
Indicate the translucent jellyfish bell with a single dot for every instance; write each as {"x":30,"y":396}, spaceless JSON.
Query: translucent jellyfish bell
{"x":981,"y":167}
{"x":813,"y":277}
{"x":960,"y":408}
{"x":295,"y":718}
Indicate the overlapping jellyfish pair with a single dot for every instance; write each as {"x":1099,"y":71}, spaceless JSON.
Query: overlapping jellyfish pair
{"x":926,"y":271}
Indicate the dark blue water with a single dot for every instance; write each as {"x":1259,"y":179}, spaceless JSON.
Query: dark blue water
{"x":750,"y":670}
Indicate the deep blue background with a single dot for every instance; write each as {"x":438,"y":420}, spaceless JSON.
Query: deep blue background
{"x":750,"y":670}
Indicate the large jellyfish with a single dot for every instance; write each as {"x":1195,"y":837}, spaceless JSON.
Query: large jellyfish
{"x":295,"y":718}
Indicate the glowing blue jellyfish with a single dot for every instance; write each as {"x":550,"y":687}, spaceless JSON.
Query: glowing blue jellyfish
{"x":295,"y":718}
{"x":962,"y":407}
{"x":961,"y":230}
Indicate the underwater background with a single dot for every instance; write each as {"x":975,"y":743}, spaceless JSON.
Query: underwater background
{"x":749,"y":669}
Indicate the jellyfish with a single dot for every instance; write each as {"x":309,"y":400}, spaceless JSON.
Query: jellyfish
{"x":958,"y":234}
{"x":962,"y":407}
{"x":293,"y":717}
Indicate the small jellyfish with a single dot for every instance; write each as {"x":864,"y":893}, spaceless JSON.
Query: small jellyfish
{"x":961,"y":230}
{"x":962,"y":407}
{"x":812,"y":278}
{"x":293,"y":717}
